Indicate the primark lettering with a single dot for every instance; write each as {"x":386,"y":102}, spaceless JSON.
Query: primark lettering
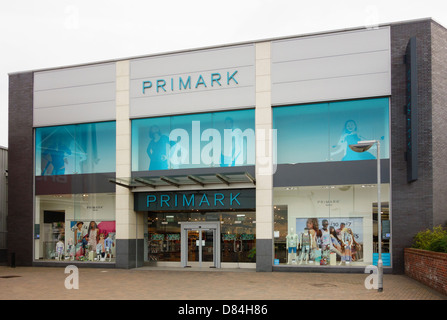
{"x":192,"y":200}
{"x":239,"y":199}
{"x":180,"y":83}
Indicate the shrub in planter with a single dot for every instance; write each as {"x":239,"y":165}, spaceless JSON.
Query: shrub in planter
{"x":439,"y":245}
{"x":426,"y":239}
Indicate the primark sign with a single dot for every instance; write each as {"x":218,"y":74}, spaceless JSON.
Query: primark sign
{"x":190,"y":82}
{"x":195,"y":200}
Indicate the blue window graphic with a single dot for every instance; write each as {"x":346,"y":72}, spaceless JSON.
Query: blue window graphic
{"x":194,"y":141}
{"x":76,"y":149}
{"x":323,"y":132}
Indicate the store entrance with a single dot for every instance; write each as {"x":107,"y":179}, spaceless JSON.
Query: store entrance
{"x":200,"y":244}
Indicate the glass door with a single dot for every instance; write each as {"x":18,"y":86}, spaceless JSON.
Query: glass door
{"x":200,"y":246}
{"x":193,"y":246}
{"x":208,"y":245}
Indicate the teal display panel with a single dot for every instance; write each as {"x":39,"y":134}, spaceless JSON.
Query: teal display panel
{"x":76,"y":149}
{"x":323,"y":132}
{"x":219,"y":139}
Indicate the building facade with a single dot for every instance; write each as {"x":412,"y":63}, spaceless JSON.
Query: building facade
{"x":3,"y":203}
{"x":234,"y":156}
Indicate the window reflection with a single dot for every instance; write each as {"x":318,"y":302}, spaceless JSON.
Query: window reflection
{"x":322,"y":132}
{"x":194,"y":141}
{"x":75,"y":149}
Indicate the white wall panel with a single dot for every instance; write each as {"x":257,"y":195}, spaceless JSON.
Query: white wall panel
{"x":75,"y":113}
{"x":74,"y":95}
{"x":335,"y":66}
{"x":72,"y":77}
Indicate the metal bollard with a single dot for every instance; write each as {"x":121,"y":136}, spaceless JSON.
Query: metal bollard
{"x":13,"y":260}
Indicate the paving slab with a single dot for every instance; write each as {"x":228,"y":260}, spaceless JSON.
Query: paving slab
{"x":48,"y":283}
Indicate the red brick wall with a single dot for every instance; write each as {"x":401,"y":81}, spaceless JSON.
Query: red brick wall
{"x":429,"y":268}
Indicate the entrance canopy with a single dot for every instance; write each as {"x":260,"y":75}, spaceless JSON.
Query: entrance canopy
{"x":228,"y":180}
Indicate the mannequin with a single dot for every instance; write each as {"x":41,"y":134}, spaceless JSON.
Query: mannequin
{"x":59,"y":250}
{"x":70,"y":250}
{"x":291,"y":246}
{"x":325,"y":243}
{"x":346,"y":239}
{"x":306,"y":243}
{"x":108,"y":243}
{"x":102,"y":253}
{"x":98,"y":251}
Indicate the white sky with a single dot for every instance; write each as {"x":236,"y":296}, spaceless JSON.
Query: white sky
{"x":51,"y":33}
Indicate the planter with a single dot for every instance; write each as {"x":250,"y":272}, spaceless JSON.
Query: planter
{"x":427,"y":267}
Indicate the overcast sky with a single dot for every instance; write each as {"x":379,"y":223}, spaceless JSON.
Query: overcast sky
{"x":51,"y":33}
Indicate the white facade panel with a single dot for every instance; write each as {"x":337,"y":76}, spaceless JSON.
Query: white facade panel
{"x":199,"y":81}
{"x":74,"y":77}
{"x":331,"y":89}
{"x":76,"y":113}
{"x":335,"y":66}
{"x":192,"y":102}
{"x":74,"y":95}
{"x":194,"y":61}
{"x":3,"y":197}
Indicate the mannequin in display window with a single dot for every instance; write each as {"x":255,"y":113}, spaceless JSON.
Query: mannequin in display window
{"x":291,"y":246}
{"x":346,"y":239}
{"x":70,"y":250}
{"x":108,"y":243}
{"x":306,"y":243}
{"x":102,"y":253}
{"x":325,"y":242}
{"x":78,"y":236}
{"x":59,"y":250}
{"x":99,"y":252}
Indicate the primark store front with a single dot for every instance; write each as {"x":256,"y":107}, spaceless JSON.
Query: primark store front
{"x":229,"y":157}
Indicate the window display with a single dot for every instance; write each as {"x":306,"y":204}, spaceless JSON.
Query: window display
{"x":218,"y":139}
{"x":323,"y":131}
{"x":291,"y":245}
{"x":328,"y":225}
{"x":75,"y":149}
{"x":79,"y":227}
{"x":90,"y":240}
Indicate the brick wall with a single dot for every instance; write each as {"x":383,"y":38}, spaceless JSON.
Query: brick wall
{"x":412,"y":203}
{"x":21,"y":168}
{"x":439,"y":118}
{"x":429,"y":268}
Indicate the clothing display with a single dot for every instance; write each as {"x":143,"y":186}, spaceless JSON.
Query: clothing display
{"x":59,"y":249}
{"x":305,"y":246}
{"x":291,"y":246}
{"x":346,"y":239}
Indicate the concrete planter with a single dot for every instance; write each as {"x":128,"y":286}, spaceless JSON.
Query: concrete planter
{"x":427,"y":267}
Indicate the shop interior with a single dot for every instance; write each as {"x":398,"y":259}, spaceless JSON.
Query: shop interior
{"x":330,"y":225}
{"x":237,"y":241}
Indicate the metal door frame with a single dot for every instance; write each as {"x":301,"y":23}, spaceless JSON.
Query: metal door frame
{"x":205,"y":225}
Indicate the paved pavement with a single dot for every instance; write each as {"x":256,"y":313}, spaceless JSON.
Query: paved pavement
{"x":30,"y":283}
